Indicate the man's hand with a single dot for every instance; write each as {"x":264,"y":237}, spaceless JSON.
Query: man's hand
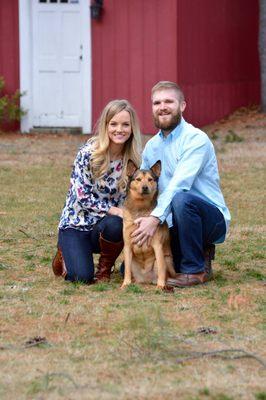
{"x":146,"y":227}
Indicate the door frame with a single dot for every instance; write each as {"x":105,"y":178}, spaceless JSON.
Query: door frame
{"x":26,"y":65}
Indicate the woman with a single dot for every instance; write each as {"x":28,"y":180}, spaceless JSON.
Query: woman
{"x":91,"y":220}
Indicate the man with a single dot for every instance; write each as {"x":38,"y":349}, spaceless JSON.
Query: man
{"x":190,"y":196}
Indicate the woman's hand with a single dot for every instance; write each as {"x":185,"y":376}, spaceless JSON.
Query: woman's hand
{"x":116,"y":211}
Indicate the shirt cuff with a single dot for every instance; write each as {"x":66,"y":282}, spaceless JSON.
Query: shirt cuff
{"x":157,"y":214}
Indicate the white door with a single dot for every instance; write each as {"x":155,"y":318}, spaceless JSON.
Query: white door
{"x":59,"y":63}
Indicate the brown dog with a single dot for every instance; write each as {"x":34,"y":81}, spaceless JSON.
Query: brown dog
{"x":146,"y":264}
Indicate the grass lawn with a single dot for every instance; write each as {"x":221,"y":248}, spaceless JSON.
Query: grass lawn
{"x":70,"y":341}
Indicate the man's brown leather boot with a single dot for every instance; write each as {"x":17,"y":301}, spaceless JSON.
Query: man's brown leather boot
{"x":109,"y":253}
{"x":187,"y":280}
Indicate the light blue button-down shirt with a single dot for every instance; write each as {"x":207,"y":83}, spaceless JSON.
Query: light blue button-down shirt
{"x":188,"y":164}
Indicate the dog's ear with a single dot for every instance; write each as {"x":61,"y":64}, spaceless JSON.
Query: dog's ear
{"x":131,"y":168}
{"x":156,"y":168}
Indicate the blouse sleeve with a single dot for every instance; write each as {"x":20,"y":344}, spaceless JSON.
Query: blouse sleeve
{"x":83,"y":186}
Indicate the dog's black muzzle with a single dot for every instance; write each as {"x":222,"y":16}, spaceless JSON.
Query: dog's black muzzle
{"x":145,"y":190}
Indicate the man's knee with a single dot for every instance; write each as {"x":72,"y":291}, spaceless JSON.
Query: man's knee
{"x":181,"y":201}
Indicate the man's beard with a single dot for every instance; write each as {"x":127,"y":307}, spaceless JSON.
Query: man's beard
{"x":170,"y":124}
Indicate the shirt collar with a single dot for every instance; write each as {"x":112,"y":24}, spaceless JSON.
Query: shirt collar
{"x":174,"y":132}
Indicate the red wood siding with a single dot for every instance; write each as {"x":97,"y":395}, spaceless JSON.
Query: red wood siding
{"x":218,"y":65}
{"x":133,"y":46}
{"x":208,"y":47}
{"x":9,"y":46}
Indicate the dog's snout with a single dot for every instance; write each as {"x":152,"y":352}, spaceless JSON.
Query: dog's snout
{"x":145,"y":189}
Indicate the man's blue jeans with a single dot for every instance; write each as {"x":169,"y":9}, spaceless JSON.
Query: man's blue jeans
{"x":78,"y":246}
{"x":196,"y":225}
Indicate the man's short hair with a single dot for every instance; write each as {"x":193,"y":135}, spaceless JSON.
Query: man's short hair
{"x":168,"y":85}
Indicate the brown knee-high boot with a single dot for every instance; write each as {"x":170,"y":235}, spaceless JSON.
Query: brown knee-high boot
{"x":58,"y":264}
{"x":109,"y":253}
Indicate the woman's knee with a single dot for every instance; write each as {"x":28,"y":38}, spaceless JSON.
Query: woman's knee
{"x":80,"y":275}
{"x":85,"y":276}
{"x":113,"y":229}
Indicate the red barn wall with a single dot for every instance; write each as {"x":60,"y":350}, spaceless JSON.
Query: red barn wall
{"x":208,"y":47}
{"x":218,"y":64}
{"x":133,"y":46}
{"x":9,"y":46}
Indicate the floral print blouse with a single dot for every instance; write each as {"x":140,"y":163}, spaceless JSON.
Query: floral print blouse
{"x":89,"y":200}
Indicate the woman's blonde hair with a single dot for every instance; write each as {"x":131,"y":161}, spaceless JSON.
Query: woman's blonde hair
{"x":100,"y":160}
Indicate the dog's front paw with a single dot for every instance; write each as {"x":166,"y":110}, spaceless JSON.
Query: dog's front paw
{"x":125,"y":284}
{"x":161,"y":283}
{"x":165,"y":288}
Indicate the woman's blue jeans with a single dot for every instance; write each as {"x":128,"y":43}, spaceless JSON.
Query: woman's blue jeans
{"x":196,"y":225}
{"x":78,"y":246}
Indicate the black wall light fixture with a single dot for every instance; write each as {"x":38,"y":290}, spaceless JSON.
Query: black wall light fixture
{"x":96,"y":9}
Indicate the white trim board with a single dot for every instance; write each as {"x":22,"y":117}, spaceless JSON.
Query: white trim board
{"x":26,"y":72}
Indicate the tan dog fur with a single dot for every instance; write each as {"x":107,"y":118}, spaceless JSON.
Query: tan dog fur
{"x":145,"y":264}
